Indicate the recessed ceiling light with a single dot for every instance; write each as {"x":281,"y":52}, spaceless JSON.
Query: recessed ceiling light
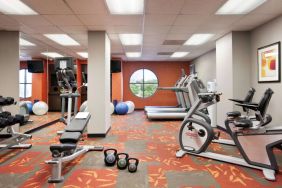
{"x":198,"y":39}
{"x":179,"y":54}
{"x":62,"y":39}
{"x":24,"y":42}
{"x":125,"y":6}
{"x":52,"y":54}
{"x":131,"y":39}
{"x":239,"y":6}
{"x":15,"y":7}
{"x":133,"y":54}
{"x":83,"y":54}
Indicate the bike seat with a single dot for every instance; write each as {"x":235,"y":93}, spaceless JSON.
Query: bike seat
{"x":233,"y":114}
{"x":244,"y":123}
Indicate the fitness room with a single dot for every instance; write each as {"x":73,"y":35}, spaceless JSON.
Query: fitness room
{"x":140,"y":93}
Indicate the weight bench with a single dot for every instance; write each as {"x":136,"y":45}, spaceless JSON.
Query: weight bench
{"x":68,"y":149}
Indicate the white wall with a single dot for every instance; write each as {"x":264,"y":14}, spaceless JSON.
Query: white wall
{"x":261,"y":36}
{"x":241,"y":65}
{"x":205,"y":66}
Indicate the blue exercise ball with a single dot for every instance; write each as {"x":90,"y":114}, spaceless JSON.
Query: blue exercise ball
{"x":29,"y":106}
{"x":121,"y":108}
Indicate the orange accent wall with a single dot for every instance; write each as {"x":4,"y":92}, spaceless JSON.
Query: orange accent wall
{"x":39,"y":83}
{"x":117,"y":86}
{"x":117,"y":83}
{"x":167,"y":72}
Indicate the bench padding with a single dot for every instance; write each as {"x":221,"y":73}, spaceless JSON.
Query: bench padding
{"x":78,"y":125}
{"x":70,"y":137}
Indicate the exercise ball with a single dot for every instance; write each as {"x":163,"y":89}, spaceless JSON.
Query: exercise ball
{"x":84,"y":107}
{"x":40,"y":108}
{"x":121,"y":108}
{"x":112,"y":108}
{"x":29,"y":106}
{"x":131,"y":106}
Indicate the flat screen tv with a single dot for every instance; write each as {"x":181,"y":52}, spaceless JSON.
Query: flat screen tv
{"x":35,"y":66}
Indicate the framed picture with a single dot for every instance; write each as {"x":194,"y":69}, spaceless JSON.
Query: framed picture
{"x":269,"y":63}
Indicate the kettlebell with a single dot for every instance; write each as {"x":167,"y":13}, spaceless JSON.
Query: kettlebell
{"x":122,"y":160}
{"x":132,"y":164}
{"x":110,"y":156}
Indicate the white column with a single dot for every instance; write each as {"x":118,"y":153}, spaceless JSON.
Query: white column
{"x":98,"y":92}
{"x":9,"y":71}
{"x":233,"y":71}
{"x":9,"y":63}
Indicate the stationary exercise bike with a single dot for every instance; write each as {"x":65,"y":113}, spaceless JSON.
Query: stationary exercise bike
{"x":196,"y":135}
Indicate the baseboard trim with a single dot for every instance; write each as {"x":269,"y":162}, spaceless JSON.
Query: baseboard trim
{"x":103,"y":135}
{"x":42,"y":126}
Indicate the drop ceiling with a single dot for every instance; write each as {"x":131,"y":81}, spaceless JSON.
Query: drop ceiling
{"x":163,"y":20}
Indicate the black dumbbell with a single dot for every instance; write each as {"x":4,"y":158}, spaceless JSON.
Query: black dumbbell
{"x":3,"y":122}
{"x":122,"y":160}
{"x":132,"y":164}
{"x":110,"y":156}
{"x":5,"y":114}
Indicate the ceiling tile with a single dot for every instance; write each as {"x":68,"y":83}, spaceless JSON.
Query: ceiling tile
{"x":220,"y":21}
{"x":154,"y":30}
{"x":132,"y":48}
{"x":190,"y":20}
{"x":48,"y":6}
{"x":117,"y":20}
{"x":207,"y":7}
{"x":254,"y":20}
{"x":63,"y":20}
{"x":175,"y":36}
{"x":153,"y":39}
{"x":6,"y":20}
{"x":170,"y":48}
{"x":34,"y":20}
{"x":269,"y":7}
{"x":159,"y":19}
{"x":88,"y":6}
{"x":74,"y":29}
{"x":127,"y":29}
{"x":164,"y":6}
{"x":182,"y":29}
{"x":44,"y":29}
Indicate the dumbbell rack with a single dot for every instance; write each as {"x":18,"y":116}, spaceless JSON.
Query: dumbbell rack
{"x":15,"y":140}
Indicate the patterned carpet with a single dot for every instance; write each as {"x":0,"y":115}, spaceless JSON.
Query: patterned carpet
{"x":154,"y":143}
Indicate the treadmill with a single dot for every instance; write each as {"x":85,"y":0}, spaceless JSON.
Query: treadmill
{"x":179,"y":96}
{"x":169,"y":114}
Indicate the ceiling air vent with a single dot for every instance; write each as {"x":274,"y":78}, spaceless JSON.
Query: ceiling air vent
{"x":174,"y":42}
{"x":165,"y":53}
{"x":118,"y":54}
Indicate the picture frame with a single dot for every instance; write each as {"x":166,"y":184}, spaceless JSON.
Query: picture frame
{"x":269,"y":63}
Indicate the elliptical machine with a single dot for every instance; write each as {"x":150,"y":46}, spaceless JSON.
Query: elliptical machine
{"x":68,"y":88}
{"x":196,"y":135}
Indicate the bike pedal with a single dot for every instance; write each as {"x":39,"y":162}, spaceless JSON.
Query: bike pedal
{"x":217,"y":135}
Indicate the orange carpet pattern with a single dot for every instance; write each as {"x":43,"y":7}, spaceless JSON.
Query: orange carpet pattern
{"x":154,"y":143}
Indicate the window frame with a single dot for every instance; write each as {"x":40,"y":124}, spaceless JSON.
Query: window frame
{"x":25,"y":83}
{"x":143,"y":83}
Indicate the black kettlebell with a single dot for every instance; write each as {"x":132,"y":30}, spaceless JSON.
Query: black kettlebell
{"x":132,"y":164}
{"x":122,"y":160}
{"x":110,"y":156}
